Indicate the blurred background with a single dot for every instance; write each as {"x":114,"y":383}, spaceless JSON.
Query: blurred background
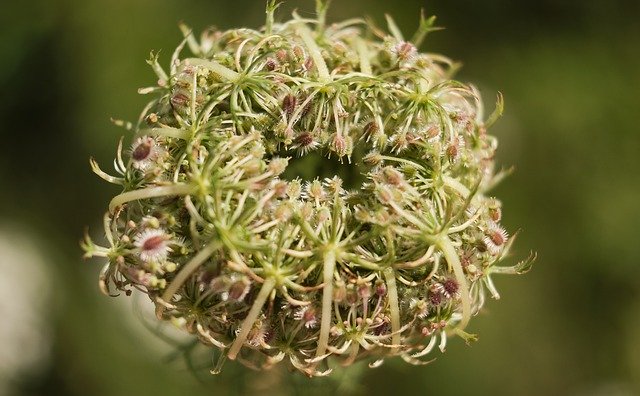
{"x":570,"y":74}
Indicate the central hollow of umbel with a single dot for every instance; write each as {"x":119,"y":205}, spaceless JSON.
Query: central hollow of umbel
{"x":317,"y":165}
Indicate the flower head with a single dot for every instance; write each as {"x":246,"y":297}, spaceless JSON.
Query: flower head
{"x":365,"y":259}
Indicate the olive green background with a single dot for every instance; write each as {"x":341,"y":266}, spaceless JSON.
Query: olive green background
{"x":570,"y":74}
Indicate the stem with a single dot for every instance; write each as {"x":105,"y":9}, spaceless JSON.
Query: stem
{"x":363,"y":54}
{"x":450,"y":254}
{"x":253,"y":314}
{"x":151,"y":192}
{"x":329,"y":265}
{"x":316,"y":55}
{"x":190,"y":268}
{"x":456,"y":185}
{"x":165,"y":131}
{"x":217,"y":68}
{"x":392,"y":290}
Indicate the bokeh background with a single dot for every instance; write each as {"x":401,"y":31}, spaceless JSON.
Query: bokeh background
{"x":570,"y":74}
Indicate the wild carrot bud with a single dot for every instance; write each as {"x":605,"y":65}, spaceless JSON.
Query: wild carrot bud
{"x":298,"y":53}
{"x":305,"y":142}
{"x":278,"y":165}
{"x":450,"y":288}
{"x":308,"y":315}
{"x":373,"y":263}
{"x":239,"y":289}
{"x":364,"y":290}
{"x":339,"y":291}
{"x":373,"y":158}
{"x":405,"y":51}
{"x":145,"y":152}
{"x":370,"y":130}
{"x":294,"y":189}
{"x":270,"y":64}
{"x":289,"y":104}
{"x":392,"y":176}
{"x":283,"y":212}
{"x":341,"y":145}
{"x":380,"y":288}
{"x":419,"y":307}
{"x":316,"y":191}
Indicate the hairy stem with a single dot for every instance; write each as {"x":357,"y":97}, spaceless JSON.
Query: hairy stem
{"x":252,"y":316}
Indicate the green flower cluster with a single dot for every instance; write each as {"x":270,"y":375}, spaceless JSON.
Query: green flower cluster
{"x":267,"y":268}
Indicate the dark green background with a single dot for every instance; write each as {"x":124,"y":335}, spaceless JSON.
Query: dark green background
{"x":570,"y":74}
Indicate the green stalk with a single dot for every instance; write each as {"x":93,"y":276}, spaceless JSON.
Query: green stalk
{"x":165,"y":131}
{"x":316,"y":55}
{"x":150,"y":192}
{"x":217,"y":68}
{"x":392,"y":290}
{"x":251,"y":318}
{"x":450,"y":254}
{"x":363,"y":54}
{"x":190,"y":268}
{"x":329,"y":265}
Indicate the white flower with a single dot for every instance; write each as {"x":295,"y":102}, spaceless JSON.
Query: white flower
{"x":495,"y":238}
{"x":145,"y":152}
{"x":153,"y":245}
{"x":307,"y":314}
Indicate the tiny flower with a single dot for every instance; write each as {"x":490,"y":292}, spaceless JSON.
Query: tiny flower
{"x":298,"y":53}
{"x":364,"y":290}
{"x":392,"y":176}
{"x":308,"y":64}
{"x":341,"y":145}
{"x":450,"y":288}
{"x":495,"y":211}
{"x":316,"y":191}
{"x":278,"y":165}
{"x":454,"y":148}
{"x":270,"y":64}
{"x":258,"y":333}
{"x":289,"y":103}
{"x":380,"y":288}
{"x":370,"y":130}
{"x":339,"y":291}
{"x":304,"y":143}
{"x":179,"y":101}
{"x":435,"y":294}
{"x":495,"y":238}
{"x":307,"y":314}
{"x":294,"y":189}
{"x":239,"y":288}
{"x":282,"y":56}
{"x":145,"y":152}
{"x":405,"y":51}
{"x":419,"y":307}
{"x":433,"y":133}
{"x":153,"y":245}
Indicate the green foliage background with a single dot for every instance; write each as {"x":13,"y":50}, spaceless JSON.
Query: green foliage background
{"x":570,"y":74}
